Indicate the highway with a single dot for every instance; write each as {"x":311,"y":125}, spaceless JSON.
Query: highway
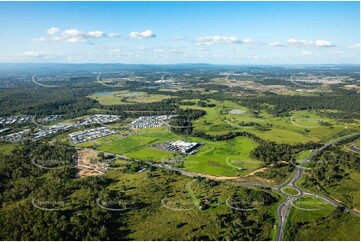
{"x":283,"y":209}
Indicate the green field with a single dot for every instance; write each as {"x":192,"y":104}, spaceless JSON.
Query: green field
{"x":223,"y":157}
{"x":303,"y":155}
{"x":180,"y":213}
{"x":308,"y":119}
{"x":7,"y":148}
{"x":137,"y":146}
{"x":311,"y":218}
{"x":301,"y":126}
{"x":306,"y":209}
{"x":347,"y":190}
{"x":290,"y":191}
{"x":126,"y":97}
{"x":356,"y":143}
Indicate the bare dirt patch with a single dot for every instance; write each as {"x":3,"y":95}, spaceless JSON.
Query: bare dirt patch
{"x":86,"y":163}
{"x":353,"y":87}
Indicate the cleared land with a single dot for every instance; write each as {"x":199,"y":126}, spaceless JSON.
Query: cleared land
{"x":301,"y":126}
{"x":87,"y":165}
{"x":126,"y":97}
{"x":222,"y":158}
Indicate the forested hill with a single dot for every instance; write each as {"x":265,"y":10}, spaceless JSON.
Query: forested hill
{"x":282,"y":104}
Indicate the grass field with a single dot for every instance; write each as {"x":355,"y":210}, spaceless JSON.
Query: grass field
{"x":180,"y":218}
{"x":137,"y":146}
{"x":223,"y":157}
{"x":353,"y":143}
{"x":308,"y":119}
{"x":290,"y":191}
{"x":302,"y":126}
{"x":301,"y":157}
{"x":126,"y":97}
{"x":308,"y":208}
{"x":7,"y":148}
{"x":311,"y":218}
{"x":356,"y":143}
{"x":347,"y":190}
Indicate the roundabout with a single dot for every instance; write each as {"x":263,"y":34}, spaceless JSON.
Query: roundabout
{"x":290,"y":191}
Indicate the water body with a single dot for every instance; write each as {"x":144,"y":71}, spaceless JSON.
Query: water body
{"x":103,"y":93}
{"x":237,"y":111}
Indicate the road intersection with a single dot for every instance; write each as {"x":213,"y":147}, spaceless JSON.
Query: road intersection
{"x":283,"y":210}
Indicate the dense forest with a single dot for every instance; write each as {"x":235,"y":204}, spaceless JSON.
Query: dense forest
{"x":331,"y":167}
{"x":22,"y":183}
{"x":69,"y":210}
{"x":281,"y":105}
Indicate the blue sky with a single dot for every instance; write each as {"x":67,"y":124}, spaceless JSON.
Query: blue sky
{"x":180,"y":32}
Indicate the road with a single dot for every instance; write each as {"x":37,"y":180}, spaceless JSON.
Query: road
{"x":283,"y":209}
{"x":354,"y":148}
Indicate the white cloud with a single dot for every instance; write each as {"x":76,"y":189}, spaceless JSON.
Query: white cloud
{"x":178,"y":38}
{"x":212,"y":40}
{"x":276,"y":44}
{"x":355,"y":46}
{"x":307,"y":53}
{"x":71,"y":32}
{"x":297,"y":42}
{"x":56,"y":38}
{"x":70,"y":36}
{"x":41,"y":39}
{"x":53,"y":30}
{"x":73,"y":35}
{"x":247,"y":41}
{"x":75,"y":39}
{"x":95,"y":34}
{"x":142,"y":35}
{"x":30,"y":54}
{"x":317,"y":43}
{"x":218,"y":55}
{"x":323,"y":43}
{"x":34,"y":55}
{"x":113,"y":35}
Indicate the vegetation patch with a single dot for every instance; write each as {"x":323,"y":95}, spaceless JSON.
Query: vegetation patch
{"x":290,"y":191}
{"x":126,"y":97}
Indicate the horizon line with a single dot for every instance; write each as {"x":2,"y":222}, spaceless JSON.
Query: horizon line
{"x":158,"y":64}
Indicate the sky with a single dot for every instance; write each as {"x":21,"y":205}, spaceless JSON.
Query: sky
{"x":180,"y":32}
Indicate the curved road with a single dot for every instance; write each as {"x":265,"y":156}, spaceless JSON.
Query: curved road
{"x":283,"y":209}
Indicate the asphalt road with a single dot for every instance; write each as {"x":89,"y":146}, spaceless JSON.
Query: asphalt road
{"x":284,"y":208}
{"x":354,"y":148}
